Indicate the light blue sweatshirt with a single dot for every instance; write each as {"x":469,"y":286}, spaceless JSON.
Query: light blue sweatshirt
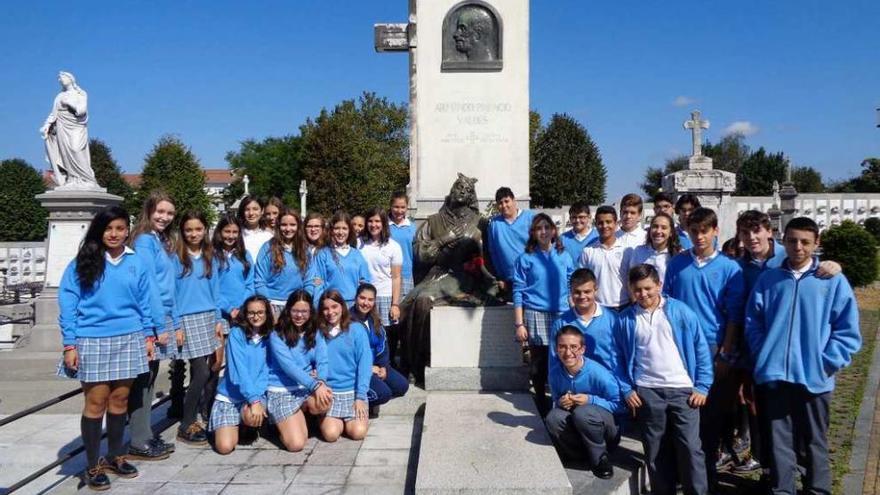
{"x":246,"y":376}
{"x":404,"y":235}
{"x":291,"y":367}
{"x":752,"y":269}
{"x":802,"y":330}
{"x":351,"y":361}
{"x":685,"y":239}
{"x":592,"y":379}
{"x":119,"y":303}
{"x":159,"y":263}
{"x":598,"y":335}
{"x":195,"y":293}
{"x":540,"y":280}
{"x":343,"y":273}
{"x":235,"y":286}
{"x":277,"y":286}
{"x":507,"y":241}
{"x":574,"y":247}
{"x":715,"y":291}
{"x":693,"y":347}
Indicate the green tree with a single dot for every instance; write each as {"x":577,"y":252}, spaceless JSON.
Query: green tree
{"x":172,"y":167}
{"x":756,"y":176}
{"x":21,"y":216}
{"x":867,"y":181}
{"x":807,"y":180}
{"x":855,"y":249}
{"x":356,"y":155}
{"x":109,"y":175}
{"x":872,"y":225}
{"x":568,"y":165}
{"x":729,"y":154}
{"x":653,"y":179}
{"x":536,"y":128}
{"x":272,"y":166}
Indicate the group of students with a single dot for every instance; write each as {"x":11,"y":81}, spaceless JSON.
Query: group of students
{"x":707,"y":354}
{"x":297,"y":312}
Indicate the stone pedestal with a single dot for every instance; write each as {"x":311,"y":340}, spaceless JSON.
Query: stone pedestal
{"x":69,"y":215}
{"x":473,"y":349}
{"x":714,"y":188}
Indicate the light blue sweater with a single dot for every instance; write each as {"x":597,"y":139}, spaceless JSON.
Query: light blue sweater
{"x":540,"y":280}
{"x":279,"y":285}
{"x":574,"y":247}
{"x":291,"y":367}
{"x":350,"y":360}
{"x":246,"y":376}
{"x":752,"y":269}
{"x":235,"y":286}
{"x":598,"y":336}
{"x":715,"y":291}
{"x":507,"y":241}
{"x":343,"y":273}
{"x":196,"y":293}
{"x":119,"y":303}
{"x":592,"y":379}
{"x":159,"y":264}
{"x":802,"y":331}
{"x":404,"y":235}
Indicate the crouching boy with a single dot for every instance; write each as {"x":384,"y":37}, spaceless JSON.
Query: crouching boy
{"x":666,"y":372}
{"x":801,"y":329}
{"x":586,"y":395}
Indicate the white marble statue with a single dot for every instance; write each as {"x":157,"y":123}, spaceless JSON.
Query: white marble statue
{"x":67,"y":137}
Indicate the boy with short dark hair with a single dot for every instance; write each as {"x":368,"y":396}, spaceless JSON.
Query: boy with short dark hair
{"x":685,"y":205}
{"x":605,"y":257}
{"x":801,"y":330}
{"x":663,"y":203}
{"x":507,"y":235}
{"x":631,"y":233}
{"x":582,"y":232}
{"x":586,"y":396}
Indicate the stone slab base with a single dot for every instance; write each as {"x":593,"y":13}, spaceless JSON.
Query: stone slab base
{"x":477,"y":379}
{"x":487,"y":444}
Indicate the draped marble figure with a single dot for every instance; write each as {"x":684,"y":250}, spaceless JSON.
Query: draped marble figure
{"x":67,"y":139}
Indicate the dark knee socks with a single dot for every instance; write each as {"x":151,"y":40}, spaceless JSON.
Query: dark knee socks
{"x":90,"y":428}
{"x":115,"y":434}
{"x":199,"y":374}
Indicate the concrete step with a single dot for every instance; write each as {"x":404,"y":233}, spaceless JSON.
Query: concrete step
{"x":630,"y":475}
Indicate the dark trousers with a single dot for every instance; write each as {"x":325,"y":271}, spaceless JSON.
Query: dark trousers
{"x":140,"y":401}
{"x":665,"y":412}
{"x":587,"y":428}
{"x":718,"y":419}
{"x":538,"y":363}
{"x":394,"y":385}
{"x":796,"y":419}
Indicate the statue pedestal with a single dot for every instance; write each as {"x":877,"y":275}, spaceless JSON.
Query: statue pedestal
{"x":714,"y":189}
{"x":70,"y":212}
{"x":473,"y":349}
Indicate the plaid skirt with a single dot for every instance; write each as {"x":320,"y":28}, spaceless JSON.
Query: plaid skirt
{"x":343,"y":405}
{"x":282,"y":405}
{"x":539,"y":324}
{"x":225,"y":324}
{"x":168,"y":351}
{"x":383,"y":306}
{"x":200,"y":337}
{"x":406,"y":286}
{"x":225,"y":414}
{"x":106,"y":359}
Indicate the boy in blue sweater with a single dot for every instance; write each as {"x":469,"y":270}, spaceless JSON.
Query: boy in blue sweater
{"x":665,"y":378}
{"x":801,"y":330}
{"x":687,"y":203}
{"x":507,"y":235}
{"x":582,"y":231}
{"x":712,"y":285}
{"x":586,"y":396}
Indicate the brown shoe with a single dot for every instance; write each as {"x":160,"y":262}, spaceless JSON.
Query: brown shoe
{"x":96,"y":479}
{"x":193,"y":435}
{"x":120,"y":467}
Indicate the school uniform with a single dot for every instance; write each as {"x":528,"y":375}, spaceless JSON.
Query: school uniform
{"x":598,"y":330}
{"x":244,"y":381}
{"x":684,"y":239}
{"x":290,"y":379}
{"x":350,"y":367}
{"x":380,"y":259}
{"x":109,"y":322}
{"x":341,"y":268}
{"x":575,"y":243}
{"x":752,"y":268}
{"x":394,"y":384}
{"x":589,"y":427}
{"x":607,"y":264}
{"x":197,"y":308}
{"x":633,"y":238}
{"x":646,"y":254}
{"x":540,"y":287}
{"x":254,"y":239}
{"x":277,"y":285}
{"x":665,"y":358}
{"x":405,"y":233}
{"x":507,"y":240}
{"x":158,"y":262}
{"x":235,"y":285}
{"x":801,"y":330}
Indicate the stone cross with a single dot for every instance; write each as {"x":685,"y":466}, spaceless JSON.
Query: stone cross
{"x":246,"y":180}
{"x":696,"y":125}
{"x":303,"y":195}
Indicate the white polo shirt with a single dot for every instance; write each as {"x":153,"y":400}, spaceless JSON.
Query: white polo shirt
{"x":632,"y":239}
{"x":658,"y":362}
{"x":380,"y":258}
{"x":607,"y":264}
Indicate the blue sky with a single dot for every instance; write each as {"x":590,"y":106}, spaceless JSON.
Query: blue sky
{"x":800,"y":76}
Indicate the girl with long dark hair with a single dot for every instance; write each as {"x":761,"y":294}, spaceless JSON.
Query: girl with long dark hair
{"x":253,"y":225}
{"x":283,"y":262}
{"x":316,"y":236}
{"x":107,"y":314}
{"x":661,"y":244}
{"x":384,"y":258}
{"x":235,"y":267}
{"x":340,"y":265}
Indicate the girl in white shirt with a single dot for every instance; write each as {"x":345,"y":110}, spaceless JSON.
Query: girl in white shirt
{"x":661,"y":245}
{"x":250,"y":217}
{"x":384,"y":258}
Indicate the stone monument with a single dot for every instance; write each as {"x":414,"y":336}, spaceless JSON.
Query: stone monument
{"x":469,"y":96}
{"x":714,"y":188}
{"x":71,"y":204}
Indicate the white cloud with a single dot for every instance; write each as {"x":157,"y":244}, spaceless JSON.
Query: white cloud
{"x":683,"y":101}
{"x":743,"y":127}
